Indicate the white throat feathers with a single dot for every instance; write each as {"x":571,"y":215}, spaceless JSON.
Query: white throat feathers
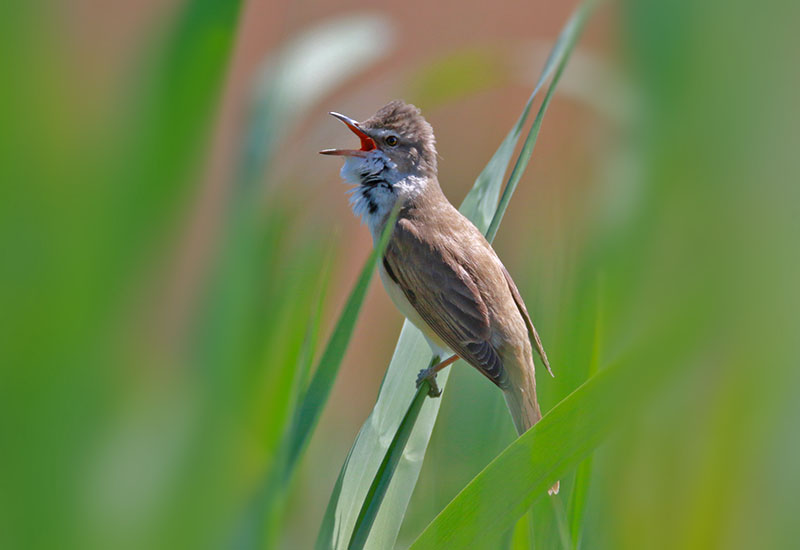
{"x":378,"y":186}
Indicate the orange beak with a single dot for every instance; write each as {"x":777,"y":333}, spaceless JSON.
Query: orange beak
{"x":367,"y":143}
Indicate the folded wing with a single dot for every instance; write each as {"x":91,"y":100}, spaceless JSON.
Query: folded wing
{"x":445,"y":296}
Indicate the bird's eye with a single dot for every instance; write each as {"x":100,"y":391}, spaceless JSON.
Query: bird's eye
{"x":391,"y":141}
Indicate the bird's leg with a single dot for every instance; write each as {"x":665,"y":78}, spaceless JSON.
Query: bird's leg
{"x":429,"y":374}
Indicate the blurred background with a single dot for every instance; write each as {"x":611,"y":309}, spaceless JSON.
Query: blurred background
{"x":170,"y":238}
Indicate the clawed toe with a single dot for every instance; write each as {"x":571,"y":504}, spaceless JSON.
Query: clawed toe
{"x":433,"y":389}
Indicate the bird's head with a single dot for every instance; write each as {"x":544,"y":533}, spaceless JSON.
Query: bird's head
{"x":397,"y":133}
{"x":396,"y":160}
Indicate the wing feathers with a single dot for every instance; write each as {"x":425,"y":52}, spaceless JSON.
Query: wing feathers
{"x":532,"y":334}
{"x":445,"y":296}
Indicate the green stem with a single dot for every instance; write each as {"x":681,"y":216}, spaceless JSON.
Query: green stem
{"x":571,"y":34}
{"x":383,"y":477}
{"x":561,"y":521}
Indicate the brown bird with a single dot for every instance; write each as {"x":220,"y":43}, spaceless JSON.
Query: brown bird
{"x":438,"y":268}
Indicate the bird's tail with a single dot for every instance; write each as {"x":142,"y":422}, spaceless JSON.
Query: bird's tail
{"x":520,"y":397}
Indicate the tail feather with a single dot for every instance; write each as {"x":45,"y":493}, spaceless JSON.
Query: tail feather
{"x":521,"y":400}
{"x":523,"y":406}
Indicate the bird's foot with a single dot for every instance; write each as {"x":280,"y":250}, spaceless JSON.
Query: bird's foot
{"x":429,"y":375}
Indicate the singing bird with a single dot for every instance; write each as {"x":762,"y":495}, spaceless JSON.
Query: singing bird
{"x":438,"y":268}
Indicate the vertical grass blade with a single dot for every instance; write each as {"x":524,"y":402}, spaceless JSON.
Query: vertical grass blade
{"x":488,"y":184}
{"x":522,"y":536}
{"x":580,"y":490}
{"x":369,"y":449}
{"x":319,"y":389}
{"x":169,"y":129}
{"x":259,"y":521}
{"x":561,"y":521}
{"x":380,"y":485}
{"x":557,"y":61}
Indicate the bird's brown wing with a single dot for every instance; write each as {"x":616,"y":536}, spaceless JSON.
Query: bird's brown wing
{"x":536,"y":342}
{"x":445,"y":296}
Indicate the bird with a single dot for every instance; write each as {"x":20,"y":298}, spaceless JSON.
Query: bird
{"x":438,"y":268}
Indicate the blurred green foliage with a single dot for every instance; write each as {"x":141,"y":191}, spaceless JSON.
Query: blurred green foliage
{"x":89,"y":191}
{"x":684,"y":298}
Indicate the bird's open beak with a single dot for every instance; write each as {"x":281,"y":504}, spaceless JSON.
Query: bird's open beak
{"x":367,"y":143}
